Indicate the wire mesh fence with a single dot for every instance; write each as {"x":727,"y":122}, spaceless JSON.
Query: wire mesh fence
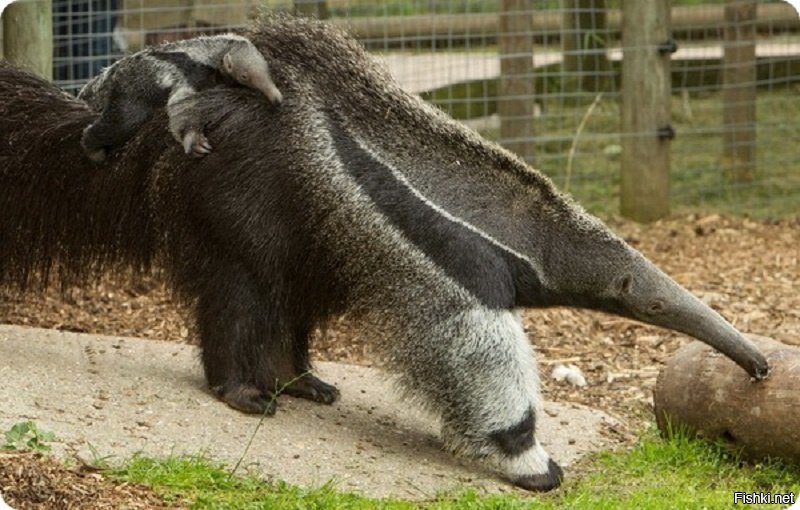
{"x":543,"y":78}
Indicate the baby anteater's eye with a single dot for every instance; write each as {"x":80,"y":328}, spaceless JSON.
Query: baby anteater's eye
{"x":243,"y":77}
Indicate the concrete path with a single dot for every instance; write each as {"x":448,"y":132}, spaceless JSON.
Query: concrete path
{"x":126,"y":395}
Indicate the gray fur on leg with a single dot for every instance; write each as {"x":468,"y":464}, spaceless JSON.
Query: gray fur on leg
{"x":479,"y":372}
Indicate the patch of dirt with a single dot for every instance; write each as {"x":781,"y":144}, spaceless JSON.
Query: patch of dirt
{"x":32,"y":481}
{"x":749,"y":271}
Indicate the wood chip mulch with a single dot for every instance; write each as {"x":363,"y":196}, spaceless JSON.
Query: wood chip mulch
{"x":747,"y":270}
{"x":30,"y":481}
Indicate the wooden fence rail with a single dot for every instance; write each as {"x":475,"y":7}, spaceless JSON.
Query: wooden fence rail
{"x":769,"y":17}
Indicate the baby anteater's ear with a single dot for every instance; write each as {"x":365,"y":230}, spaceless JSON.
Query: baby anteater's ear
{"x":227,"y":63}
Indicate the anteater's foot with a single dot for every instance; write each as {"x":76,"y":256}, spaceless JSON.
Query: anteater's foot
{"x":542,"y":482}
{"x":97,"y":156}
{"x":247,"y":399}
{"x":312,"y":388}
{"x":196,"y":144}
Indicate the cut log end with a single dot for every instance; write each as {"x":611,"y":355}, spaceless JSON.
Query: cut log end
{"x":708,"y":395}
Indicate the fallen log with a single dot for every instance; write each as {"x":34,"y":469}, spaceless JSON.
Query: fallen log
{"x":708,"y":395}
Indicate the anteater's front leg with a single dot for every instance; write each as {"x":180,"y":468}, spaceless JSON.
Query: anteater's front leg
{"x":184,"y":124}
{"x":477,"y":367}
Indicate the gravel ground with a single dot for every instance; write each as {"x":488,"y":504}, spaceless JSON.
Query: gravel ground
{"x":747,"y":270}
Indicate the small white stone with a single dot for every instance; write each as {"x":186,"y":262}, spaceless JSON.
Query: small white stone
{"x":569,"y":373}
{"x":3,"y":505}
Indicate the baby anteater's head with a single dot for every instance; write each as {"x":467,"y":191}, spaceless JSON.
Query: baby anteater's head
{"x":246,"y":65}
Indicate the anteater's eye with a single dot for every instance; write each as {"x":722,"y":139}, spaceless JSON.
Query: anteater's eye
{"x":243,"y":77}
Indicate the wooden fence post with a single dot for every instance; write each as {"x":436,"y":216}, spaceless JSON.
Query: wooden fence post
{"x":28,"y":35}
{"x":515,"y":104}
{"x":739,"y":91}
{"x":646,"y":91}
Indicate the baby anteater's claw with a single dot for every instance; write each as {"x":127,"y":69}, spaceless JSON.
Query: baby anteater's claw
{"x":196,"y":144}
{"x":203,"y":147}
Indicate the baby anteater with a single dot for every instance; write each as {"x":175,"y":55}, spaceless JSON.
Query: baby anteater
{"x":133,"y":88}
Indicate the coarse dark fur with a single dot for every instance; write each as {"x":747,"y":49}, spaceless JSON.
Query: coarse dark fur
{"x":129,"y":91}
{"x":58,"y":213}
{"x":373,"y":203}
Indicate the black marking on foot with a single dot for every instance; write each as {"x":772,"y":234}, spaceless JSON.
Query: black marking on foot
{"x":517,"y":439}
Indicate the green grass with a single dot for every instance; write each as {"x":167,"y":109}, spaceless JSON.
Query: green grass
{"x":657,"y":473}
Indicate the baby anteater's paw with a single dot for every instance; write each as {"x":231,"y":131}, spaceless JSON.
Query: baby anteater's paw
{"x":91,"y":146}
{"x":196,"y":144}
{"x":97,"y":156}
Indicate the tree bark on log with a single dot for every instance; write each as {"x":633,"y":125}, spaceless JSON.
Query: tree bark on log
{"x":706,"y":393}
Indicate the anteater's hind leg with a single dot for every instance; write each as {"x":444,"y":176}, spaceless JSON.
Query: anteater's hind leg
{"x":305,"y":384}
{"x":250,"y":342}
{"x":116,"y":125}
{"x":238,"y":335}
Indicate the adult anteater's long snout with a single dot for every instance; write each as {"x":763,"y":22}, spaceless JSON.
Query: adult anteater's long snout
{"x":700,"y":321}
{"x":653,"y":297}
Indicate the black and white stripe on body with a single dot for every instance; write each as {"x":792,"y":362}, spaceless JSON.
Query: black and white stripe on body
{"x":475,"y":365}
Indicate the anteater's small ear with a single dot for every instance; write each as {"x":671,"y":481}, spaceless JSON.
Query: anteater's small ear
{"x":227,"y":62}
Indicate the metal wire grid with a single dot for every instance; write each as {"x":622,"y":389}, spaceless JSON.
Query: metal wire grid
{"x":447,"y":51}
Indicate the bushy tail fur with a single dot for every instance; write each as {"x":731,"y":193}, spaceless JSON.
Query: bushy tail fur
{"x":63,"y":217}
